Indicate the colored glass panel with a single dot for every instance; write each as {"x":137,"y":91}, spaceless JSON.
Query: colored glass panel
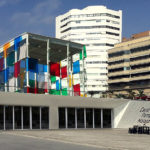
{"x":2,"y":76}
{"x":57,"y":85}
{"x":17,"y":69}
{"x":84,"y":51}
{"x":44,"y":68}
{"x":76,"y":89}
{"x":64,"y":72}
{"x":22,"y":78}
{"x":55,"y":69}
{"x":6,"y":75}
{"x":6,"y":46}
{"x":11,"y":59}
{"x":33,"y":65}
{"x":76,"y":67}
{"x":64,"y":92}
{"x":81,"y":55}
{"x":16,"y":42}
{"x":1,"y":64}
{"x":53,"y":78}
{"x":70,"y":81}
{"x":11,"y":72}
{"x":54,"y":92}
{"x":27,"y":64}
{"x":32,"y":83}
{"x":31,"y":90}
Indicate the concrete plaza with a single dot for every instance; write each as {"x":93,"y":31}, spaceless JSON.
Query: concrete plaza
{"x":111,"y":139}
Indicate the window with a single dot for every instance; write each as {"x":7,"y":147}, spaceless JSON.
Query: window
{"x":26,"y":118}
{"x":97,"y":118}
{"x":71,"y":117}
{"x":1,"y":117}
{"x":90,"y":15}
{"x":18,"y":119}
{"x":106,"y":118}
{"x":111,"y":33}
{"x":62,"y":118}
{"x":89,"y":118}
{"x":80,"y":118}
{"x":35,"y":118}
{"x":8,"y":117}
{"x":44,"y":117}
{"x":89,"y":27}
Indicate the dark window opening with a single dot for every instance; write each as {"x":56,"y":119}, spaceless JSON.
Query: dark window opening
{"x":106,"y":118}
{"x":35,"y":118}
{"x":80,"y":118}
{"x":89,"y":118}
{"x":62,"y":118}
{"x":71,"y":117}
{"x":17,"y":110}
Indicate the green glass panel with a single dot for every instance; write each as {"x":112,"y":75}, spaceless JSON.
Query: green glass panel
{"x":84,"y":50}
{"x":64,"y":92}
{"x":32,"y":83}
{"x":81,"y":55}
{"x":54,"y":92}
{"x":53,"y":78}
{"x":17,"y":91}
{"x":11,"y":59}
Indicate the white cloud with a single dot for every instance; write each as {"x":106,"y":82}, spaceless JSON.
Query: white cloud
{"x":40,"y":18}
{"x":42,"y":13}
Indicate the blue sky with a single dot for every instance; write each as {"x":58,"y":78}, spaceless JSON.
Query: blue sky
{"x":38,"y":16}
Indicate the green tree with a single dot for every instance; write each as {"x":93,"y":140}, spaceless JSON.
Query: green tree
{"x":131,"y":94}
{"x":141,"y":93}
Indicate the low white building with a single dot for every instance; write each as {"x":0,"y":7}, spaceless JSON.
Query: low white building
{"x":99,"y":28}
{"x":32,"y":111}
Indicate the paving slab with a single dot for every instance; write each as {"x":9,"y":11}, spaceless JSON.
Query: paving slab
{"x":113,"y":139}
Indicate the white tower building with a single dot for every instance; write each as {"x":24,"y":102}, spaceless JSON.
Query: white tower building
{"x":99,"y":29}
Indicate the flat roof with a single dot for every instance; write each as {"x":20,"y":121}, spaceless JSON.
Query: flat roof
{"x":26,"y":99}
{"x":58,"y":47}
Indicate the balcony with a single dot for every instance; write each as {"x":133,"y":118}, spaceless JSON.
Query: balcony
{"x":119,"y":80}
{"x":119,"y":65}
{"x":140,"y":70}
{"x":141,"y":53}
{"x":140,"y":78}
{"x":112,"y":59}
{"x":123,"y":72}
{"x":142,"y":61}
{"x":119,"y":88}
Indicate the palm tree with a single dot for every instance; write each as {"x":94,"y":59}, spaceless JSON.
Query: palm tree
{"x":120,"y":95}
{"x":141,"y":93}
{"x":131,"y":94}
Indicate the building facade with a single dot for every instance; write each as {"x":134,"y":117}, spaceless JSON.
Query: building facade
{"x":99,"y":29}
{"x":129,"y":64}
{"x":32,"y":63}
{"x":32,"y":111}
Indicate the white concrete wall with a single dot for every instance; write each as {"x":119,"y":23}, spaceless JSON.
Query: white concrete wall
{"x":132,"y":113}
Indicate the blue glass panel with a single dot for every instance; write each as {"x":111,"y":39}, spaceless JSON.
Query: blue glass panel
{"x":6,"y":75}
{"x":76,"y":67}
{"x":33,"y":65}
{"x":45,"y":68}
{"x":57,"y":85}
{"x":16,"y":42}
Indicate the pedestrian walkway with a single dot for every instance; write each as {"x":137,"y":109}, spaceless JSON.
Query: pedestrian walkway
{"x":114,"y":139}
